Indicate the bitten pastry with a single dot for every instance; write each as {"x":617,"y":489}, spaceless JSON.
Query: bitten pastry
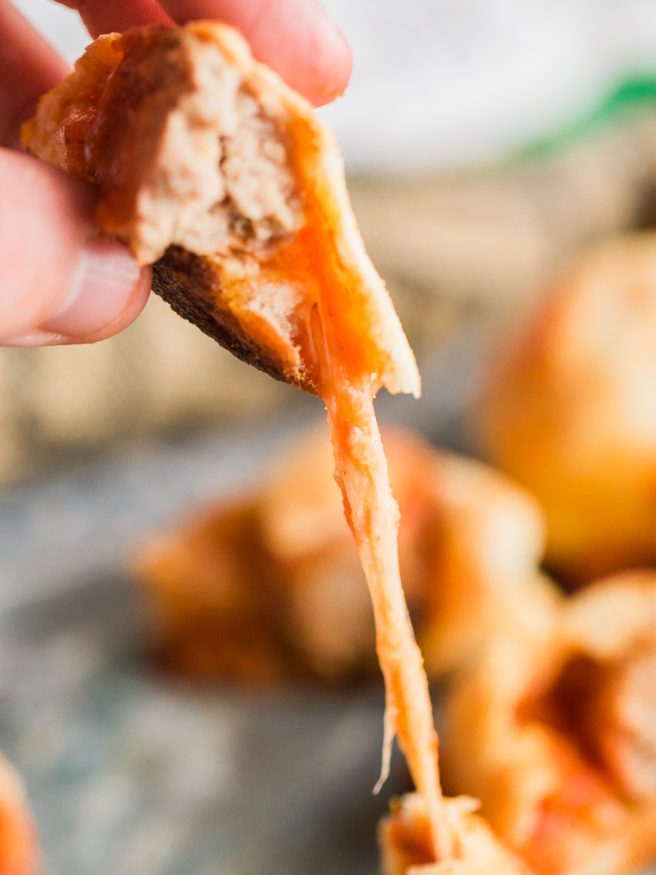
{"x":268,"y":586}
{"x":570,"y":413}
{"x":211,"y":168}
{"x":555,"y":731}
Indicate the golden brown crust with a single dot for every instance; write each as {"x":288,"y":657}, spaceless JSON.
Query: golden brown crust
{"x":212,"y":589}
{"x":59,"y":131}
{"x":569,"y":410}
{"x":470,"y":545}
{"x":285,"y":557}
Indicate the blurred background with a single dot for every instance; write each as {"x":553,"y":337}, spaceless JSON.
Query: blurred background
{"x":487,"y":142}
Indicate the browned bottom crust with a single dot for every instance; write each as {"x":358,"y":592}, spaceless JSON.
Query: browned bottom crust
{"x":191,"y":287}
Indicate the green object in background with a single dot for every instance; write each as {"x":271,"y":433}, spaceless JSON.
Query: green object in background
{"x":635,"y":91}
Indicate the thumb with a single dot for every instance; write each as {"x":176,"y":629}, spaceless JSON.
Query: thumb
{"x":60,"y":282}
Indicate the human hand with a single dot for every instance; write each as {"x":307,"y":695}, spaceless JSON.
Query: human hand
{"x":60,"y":282}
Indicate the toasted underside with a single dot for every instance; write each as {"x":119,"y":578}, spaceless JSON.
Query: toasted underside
{"x":213,"y":170}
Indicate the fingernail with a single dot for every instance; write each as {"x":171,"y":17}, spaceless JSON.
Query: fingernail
{"x":101,"y":287}
{"x":36,"y":338}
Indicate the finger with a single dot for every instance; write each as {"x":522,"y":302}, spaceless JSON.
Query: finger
{"x":295,"y":37}
{"x":28,"y":67}
{"x":47,"y":336}
{"x":107,"y":16}
{"x":57,"y":276}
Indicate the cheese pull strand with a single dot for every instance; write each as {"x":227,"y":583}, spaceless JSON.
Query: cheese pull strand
{"x":373,"y":517}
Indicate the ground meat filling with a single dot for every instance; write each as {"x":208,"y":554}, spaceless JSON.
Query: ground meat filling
{"x":261,"y":203}
{"x":220,"y":181}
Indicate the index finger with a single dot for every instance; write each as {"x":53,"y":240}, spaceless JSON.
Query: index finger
{"x":107,"y":16}
{"x":296,"y":38}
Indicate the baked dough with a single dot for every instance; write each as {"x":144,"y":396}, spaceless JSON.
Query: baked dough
{"x":569,"y":410}
{"x":554,"y":730}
